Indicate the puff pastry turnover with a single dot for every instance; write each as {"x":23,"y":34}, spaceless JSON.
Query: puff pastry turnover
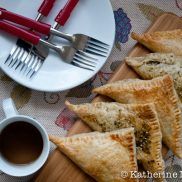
{"x":158,"y":64}
{"x":102,"y":116}
{"x":163,"y":41}
{"x":102,"y":155}
{"x":160,"y":91}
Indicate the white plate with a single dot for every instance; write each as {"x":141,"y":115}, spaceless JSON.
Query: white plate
{"x":91,"y":17}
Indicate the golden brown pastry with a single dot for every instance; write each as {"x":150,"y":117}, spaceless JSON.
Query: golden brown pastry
{"x":163,"y":41}
{"x":160,"y":91}
{"x":159,"y":64}
{"x":102,"y":155}
{"x":102,"y":116}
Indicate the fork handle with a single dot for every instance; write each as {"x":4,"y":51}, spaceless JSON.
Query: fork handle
{"x":24,"y":21}
{"x":46,"y":7}
{"x":19,"y":32}
{"x":65,"y":13}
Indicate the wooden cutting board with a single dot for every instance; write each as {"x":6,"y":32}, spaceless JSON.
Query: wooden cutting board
{"x":59,"y":167}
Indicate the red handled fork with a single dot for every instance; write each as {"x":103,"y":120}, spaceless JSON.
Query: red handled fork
{"x":67,"y":53}
{"x":22,"y":48}
{"x":81,"y":42}
{"x":29,"y":59}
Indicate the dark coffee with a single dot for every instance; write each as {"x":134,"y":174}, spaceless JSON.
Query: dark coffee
{"x":20,"y":143}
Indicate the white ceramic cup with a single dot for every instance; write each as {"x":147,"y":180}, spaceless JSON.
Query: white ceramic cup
{"x":25,"y":169}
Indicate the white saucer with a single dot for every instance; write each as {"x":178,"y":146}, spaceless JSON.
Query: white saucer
{"x":91,"y":17}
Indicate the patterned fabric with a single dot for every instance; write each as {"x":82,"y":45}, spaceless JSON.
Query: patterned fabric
{"x":49,"y":108}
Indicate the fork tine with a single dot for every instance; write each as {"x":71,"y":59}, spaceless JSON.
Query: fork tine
{"x":93,"y":51}
{"x":91,"y":42}
{"x":38,"y":66}
{"x":22,"y":60}
{"x":75,"y":63}
{"x":19,"y":58}
{"x":18,"y":54}
{"x":30,"y":62}
{"x":13,"y":56}
{"x":95,"y":48}
{"x":31,"y":75}
{"x":84,"y":58}
{"x":23,"y":64}
{"x":83,"y":62}
{"x":11,"y":53}
{"x":100,"y":42}
{"x":83,"y":53}
{"x":27,"y":69}
{"x":34,"y":63}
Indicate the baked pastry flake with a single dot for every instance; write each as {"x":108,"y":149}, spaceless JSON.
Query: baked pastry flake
{"x":102,"y":155}
{"x":159,"y":64}
{"x":160,"y":91}
{"x":110,"y":116}
{"x":162,"y":41}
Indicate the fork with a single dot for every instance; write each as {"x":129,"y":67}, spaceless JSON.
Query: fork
{"x":21,"y":45}
{"x":67,"y":53}
{"x":40,"y":50}
{"x":79,"y":41}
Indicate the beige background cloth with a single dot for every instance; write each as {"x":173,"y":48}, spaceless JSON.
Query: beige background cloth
{"x":49,"y":109}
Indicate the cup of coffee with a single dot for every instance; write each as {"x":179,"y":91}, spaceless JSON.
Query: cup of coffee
{"x":24,"y":143}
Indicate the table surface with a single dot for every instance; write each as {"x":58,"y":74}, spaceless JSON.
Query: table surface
{"x":49,"y":108}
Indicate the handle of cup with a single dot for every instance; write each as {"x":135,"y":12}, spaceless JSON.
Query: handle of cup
{"x":9,"y":108}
